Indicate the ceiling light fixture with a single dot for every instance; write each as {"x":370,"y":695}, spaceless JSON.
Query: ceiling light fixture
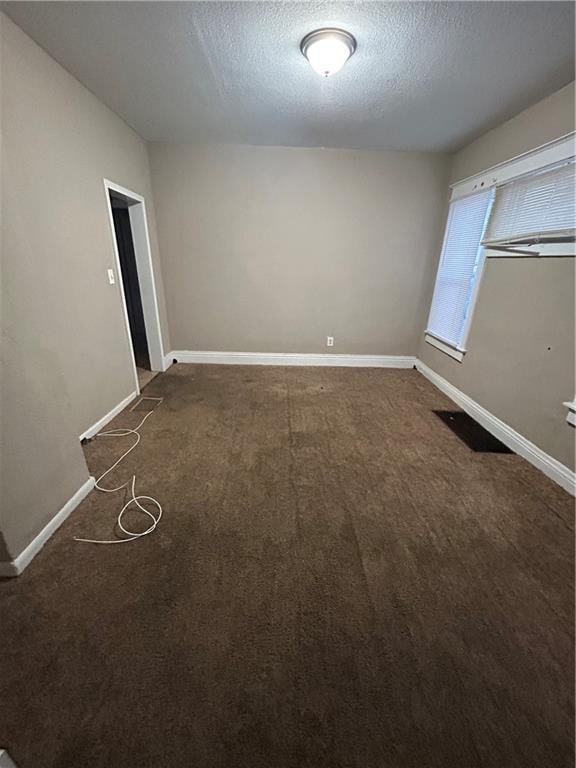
{"x":328,"y":50}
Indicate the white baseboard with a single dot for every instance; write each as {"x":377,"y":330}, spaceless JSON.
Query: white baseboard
{"x":167,"y":361}
{"x":291,"y":358}
{"x":5,"y":760}
{"x":16,"y":566}
{"x":514,"y":440}
{"x":95,"y":428}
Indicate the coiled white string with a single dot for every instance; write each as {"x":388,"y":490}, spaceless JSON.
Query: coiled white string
{"x":155,"y":518}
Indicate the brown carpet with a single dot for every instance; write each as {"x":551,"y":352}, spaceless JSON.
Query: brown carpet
{"x":337,"y":582}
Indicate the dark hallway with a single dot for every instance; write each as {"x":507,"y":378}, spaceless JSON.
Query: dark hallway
{"x":123,"y":231}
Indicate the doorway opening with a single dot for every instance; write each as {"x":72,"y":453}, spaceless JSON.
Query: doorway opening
{"x":136,"y":281}
{"x":131,"y":285}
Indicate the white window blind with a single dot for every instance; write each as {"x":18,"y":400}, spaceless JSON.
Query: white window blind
{"x":539,"y":204}
{"x":459,"y":268}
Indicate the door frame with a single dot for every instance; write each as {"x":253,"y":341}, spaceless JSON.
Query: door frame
{"x":145,"y":272}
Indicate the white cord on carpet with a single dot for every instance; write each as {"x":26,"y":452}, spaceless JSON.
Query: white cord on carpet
{"x":131,"y":535}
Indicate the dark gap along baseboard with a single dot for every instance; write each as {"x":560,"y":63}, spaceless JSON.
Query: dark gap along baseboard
{"x":471,"y":433}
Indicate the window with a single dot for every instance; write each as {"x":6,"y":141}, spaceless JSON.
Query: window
{"x":458,"y":273}
{"x":524,"y":207}
{"x":536,"y":207}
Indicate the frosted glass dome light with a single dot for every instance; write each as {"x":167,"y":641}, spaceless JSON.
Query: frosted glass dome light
{"x":328,"y":50}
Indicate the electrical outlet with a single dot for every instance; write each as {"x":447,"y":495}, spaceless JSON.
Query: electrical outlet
{"x":111,"y":277}
{"x":329,"y":341}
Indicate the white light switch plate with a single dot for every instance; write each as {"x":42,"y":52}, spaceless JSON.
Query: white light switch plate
{"x":111,"y":277}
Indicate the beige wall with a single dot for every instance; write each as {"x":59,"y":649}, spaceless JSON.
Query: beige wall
{"x":65,"y":350}
{"x":520,"y":359}
{"x":542,"y":122}
{"x":271,"y":249}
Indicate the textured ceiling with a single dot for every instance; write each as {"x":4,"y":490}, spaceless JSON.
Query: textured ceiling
{"x":425,"y":76}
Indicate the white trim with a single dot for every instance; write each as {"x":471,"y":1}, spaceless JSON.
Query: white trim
{"x":143,"y":252}
{"x":16,"y":566}
{"x":457,"y":354}
{"x":95,"y":428}
{"x":477,"y":282}
{"x":168,"y":360}
{"x":5,"y":760}
{"x":519,"y":239}
{"x":108,"y":185}
{"x":514,"y":440}
{"x":291,"y":358}
{"x":571,"y":415}
{"x":555,"y":151}
{"x":544,"y":250}
{"x":145,"y":271}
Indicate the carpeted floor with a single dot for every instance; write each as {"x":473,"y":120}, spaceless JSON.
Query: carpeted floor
{"x":337,"y":582}
{"x":145,"y":376}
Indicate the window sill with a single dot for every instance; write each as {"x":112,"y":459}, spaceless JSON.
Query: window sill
{"x":571,"y":415}
{"x":457,"y":354}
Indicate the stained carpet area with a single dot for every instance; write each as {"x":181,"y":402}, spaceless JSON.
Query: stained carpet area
{"x":337,"y":582}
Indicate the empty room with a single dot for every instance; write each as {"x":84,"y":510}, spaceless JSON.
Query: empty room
{"x":288,"y":398}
